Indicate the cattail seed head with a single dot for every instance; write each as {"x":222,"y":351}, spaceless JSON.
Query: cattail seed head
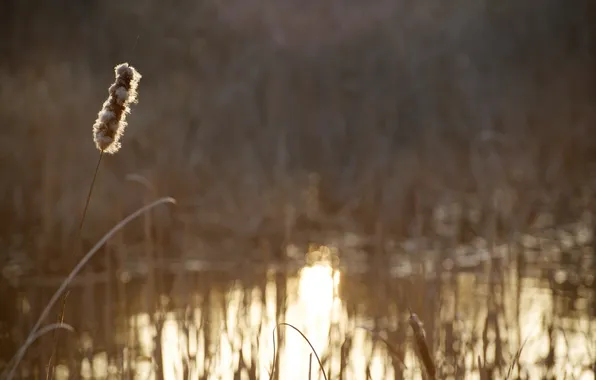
{"x":423,"y":349}
{"x":111,"y":120}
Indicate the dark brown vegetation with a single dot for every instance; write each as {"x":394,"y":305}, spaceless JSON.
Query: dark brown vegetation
{"x":270,"y":121}
{"x":259,"y":115}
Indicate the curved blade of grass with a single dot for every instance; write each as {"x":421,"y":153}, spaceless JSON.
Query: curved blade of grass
{"x":44,"y":330}
{"x":307,"y":341}
{"x":274,"y":355}
{"x":516,"y":358}
{"x":54,"y":326}
{"x":19,"y":355}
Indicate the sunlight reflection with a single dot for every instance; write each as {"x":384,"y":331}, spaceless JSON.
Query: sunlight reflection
{"x":317,"y":307}
{"x":572,"y":346}
{"x":232,"y":326}
{"x":314,"y":307}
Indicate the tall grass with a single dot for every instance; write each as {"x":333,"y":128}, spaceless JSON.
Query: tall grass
{"x":385,"y":108}
{"x":462,"y":323}
{"x":37,"y":330}
{"x":274,"y":122}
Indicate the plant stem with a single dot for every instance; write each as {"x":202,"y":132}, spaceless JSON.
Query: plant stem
{"x":49,"y":371}
{"x":89,"y":194}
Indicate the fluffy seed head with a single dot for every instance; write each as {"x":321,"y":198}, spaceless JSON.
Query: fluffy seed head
{"x":111,"y":120}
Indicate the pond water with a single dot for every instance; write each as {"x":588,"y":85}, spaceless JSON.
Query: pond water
{"x":199,"y":320}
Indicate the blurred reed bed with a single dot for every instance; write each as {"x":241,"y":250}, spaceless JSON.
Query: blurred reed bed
{"x":476,"y":312}
{"x":420,"y":128}
{"x":263,"y":132}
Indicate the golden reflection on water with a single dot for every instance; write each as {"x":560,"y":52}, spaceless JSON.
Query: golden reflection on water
{"x":571,"y":347}
{"x":315,"y":308}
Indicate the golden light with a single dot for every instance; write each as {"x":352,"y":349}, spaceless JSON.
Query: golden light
{"x":317,"y":306}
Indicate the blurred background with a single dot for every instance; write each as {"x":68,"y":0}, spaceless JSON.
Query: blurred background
{"x":336,"y":164}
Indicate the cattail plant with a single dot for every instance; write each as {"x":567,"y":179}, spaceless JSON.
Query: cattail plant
{"x":107,"y":132}
{"x":423,"y":350}
{"x":111,"y":120}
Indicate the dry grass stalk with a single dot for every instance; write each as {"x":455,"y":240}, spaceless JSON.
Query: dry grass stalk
{"x":423,"y":351}
{"x":111,"y":120}
{"x":516,"y":358}
{"x":10,"y":370}
{"x":307,"y":341}
{"x":39,"y":333}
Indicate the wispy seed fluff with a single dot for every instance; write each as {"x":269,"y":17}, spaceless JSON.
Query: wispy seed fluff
{"x":111,"y":120}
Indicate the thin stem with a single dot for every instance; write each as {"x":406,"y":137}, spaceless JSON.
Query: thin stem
{"x":49,"y":372}
{"x":307,"y":341}
{"x":90,"y":192}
